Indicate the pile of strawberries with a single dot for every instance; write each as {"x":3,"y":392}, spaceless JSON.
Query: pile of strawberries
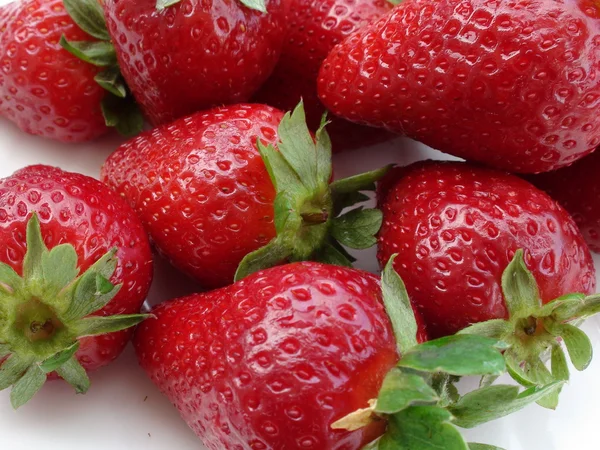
{"x":290,"y":347}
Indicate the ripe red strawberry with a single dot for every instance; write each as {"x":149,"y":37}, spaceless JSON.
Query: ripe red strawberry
{"x":314,"y":28}
{"x":513,"y":85}
{"x":43,"y":88}
{"x":277,"y":359}
{"x":577,"y":189}
{"x":304,"y":356}
{"x":205,"y":197}
{"x":98,"y":262}
{"x":179,"y":57}
{"x":456,"y":228}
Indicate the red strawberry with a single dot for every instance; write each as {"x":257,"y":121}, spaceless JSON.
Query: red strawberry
{"x":304,"y":356}
{"x":90,"y":232}
{"x":179,"y":57}
{"x":43,"y":89}
{"x":456,"y":228}
{"x":314,"y":28}
{"x":577,"y":189}
{"x":203,"y":192}
{"x":277,"y":359}
{"x":513,"y":85}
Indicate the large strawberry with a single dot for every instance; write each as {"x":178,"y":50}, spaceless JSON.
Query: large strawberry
{"x":207,"y":200}
{"x":314,"y":28}
{"x":457,"y":228}
{"x":44,"y":89}
{"x":282,"y":359}
{"x":513,"y":85}
{"x":577,"y":189}
{"x":183,"y":56}
{"x":73,"y":256}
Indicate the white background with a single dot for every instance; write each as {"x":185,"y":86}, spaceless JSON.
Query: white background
{"x":123,"y":410}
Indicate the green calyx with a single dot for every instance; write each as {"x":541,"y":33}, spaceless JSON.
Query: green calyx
{"x":309,"y":220}
{"x":44,"y":313}
{"x":418,"y":397}
{"x":258,"y":5}
{"x":536,"y":332}
{"x":119,"y":107}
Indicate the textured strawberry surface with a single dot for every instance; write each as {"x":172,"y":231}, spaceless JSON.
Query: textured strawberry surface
{"x":314,"y":27}
{"x":80,"y":211}
{"x":195,"y":54}
{"x":510,"y":84}
{"x":201,"y":188}
{"x":43,"y":88}
{"x":577,"y":189}
{"x":456,"y":227}
{"x":272,"y":361}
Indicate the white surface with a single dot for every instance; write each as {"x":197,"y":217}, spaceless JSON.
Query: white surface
{"x":123,"y":410}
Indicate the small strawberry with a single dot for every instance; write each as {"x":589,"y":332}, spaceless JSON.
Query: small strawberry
{"x":512,"y":85}
{"x":43,"y":89}
{"x":74,"y":257}
{"x":207,"y":200}
{"x":183,"y":56}
{"x":304,"y":357}
{"x":457,"y":228}
{"x":577,"y":189}
{"x":314,"y":28}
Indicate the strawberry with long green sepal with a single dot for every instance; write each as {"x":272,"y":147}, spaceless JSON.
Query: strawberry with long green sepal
{"x":180,"y":57}
{"x":418,"y":398}
{"x":205,"y":196}
{"x":47,"y":310}
{"x":75,"y":268}
{"x":535,"y":330}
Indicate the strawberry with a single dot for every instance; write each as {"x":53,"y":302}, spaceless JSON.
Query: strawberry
{"x":467,"y":238}
{"x":157,"y":42}
{"x":74,"y":258}
{"x":207,"y":200}
{"x":58,"y":77}
{"x":294,"y":357}
{"x":314,"y":28}
{"x":512,"y":85}
{"x":43,"y":89}
{"x":577,"y":189}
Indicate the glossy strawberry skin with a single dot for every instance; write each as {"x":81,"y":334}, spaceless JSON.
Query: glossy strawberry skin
{"x":272,"y":361}
{"x":195,"y":54}
{"x":512,"y":85}
{"x":78,"y":210}
{"x":44,"y":89}
{"x":456,"y":227}
{"x":201,"y":188}
{"x":577,"y":189}
{"x":314,"y":28}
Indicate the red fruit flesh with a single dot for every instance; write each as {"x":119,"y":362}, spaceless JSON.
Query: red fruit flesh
{"x":456,"y":227}
{"x":510,"y":84}
{"x":44,"y":89}
{"x":195,"y":54}
{"x":78,"y":210}
{"x":201,"y":188}
{"x":577,"y":189}
{"x":272,"y":361}
{"x":314,"y":28}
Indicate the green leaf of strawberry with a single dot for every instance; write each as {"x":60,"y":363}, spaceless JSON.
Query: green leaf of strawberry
{"x":45,"y":312}
{"x":88,"y":15}
{"x":308,"y":207}
{"x":475,"y":446}
{"x":99,"y":53}
{"x":533,"y":330}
